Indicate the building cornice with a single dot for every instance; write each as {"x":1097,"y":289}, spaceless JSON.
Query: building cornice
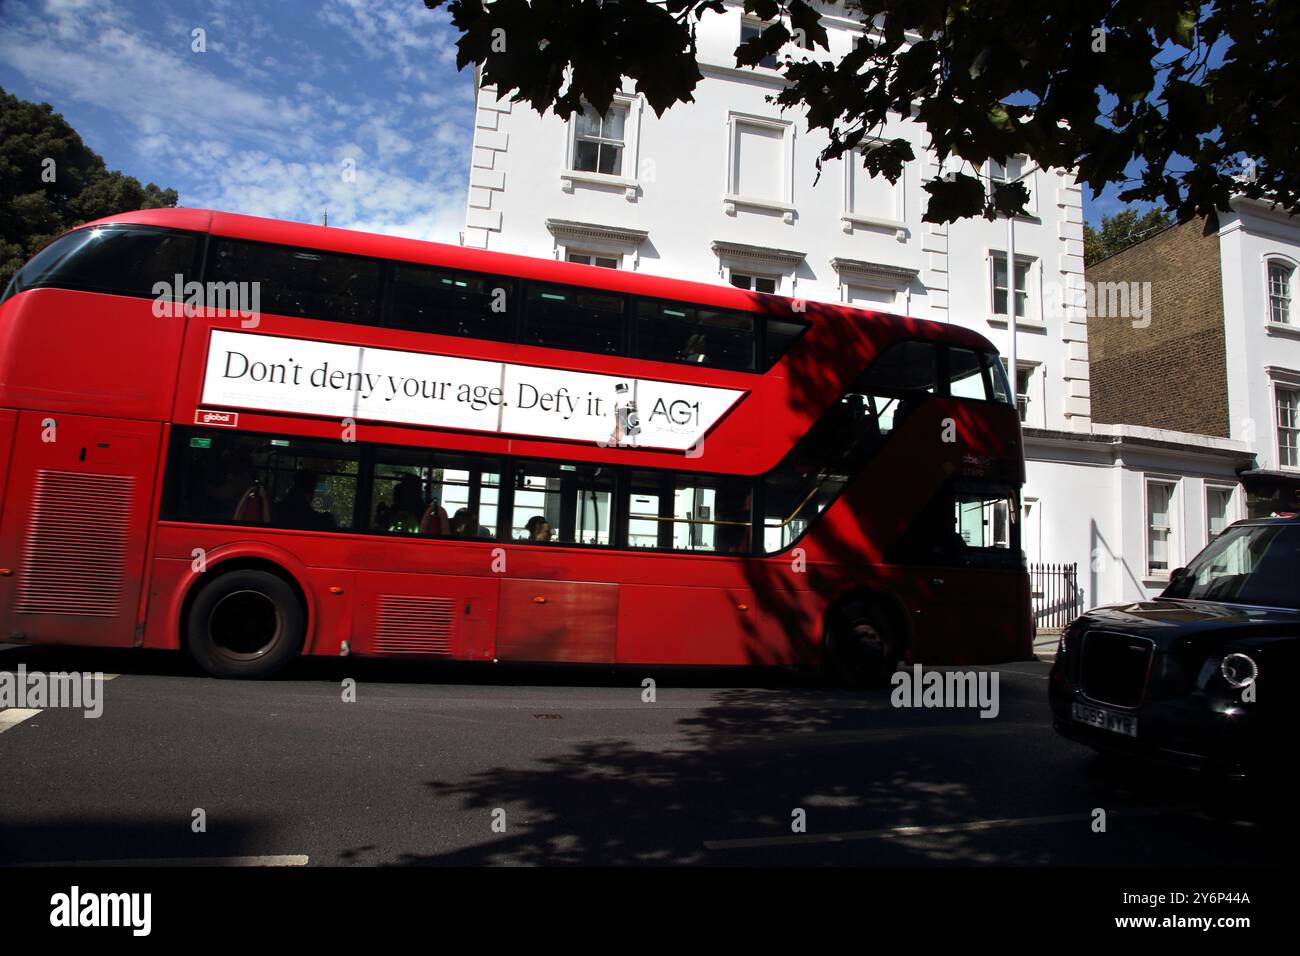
{"x":850,"y":269}
{"x":1120,"y":437}
{"x":787,"y":259}
{"x":567,"y":230}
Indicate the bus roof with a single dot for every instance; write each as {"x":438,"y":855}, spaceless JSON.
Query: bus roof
{"x":335,"y":239}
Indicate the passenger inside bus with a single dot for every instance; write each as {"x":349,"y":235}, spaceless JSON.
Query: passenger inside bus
{"x":465,"y":525}
{"x":539,"y":529}
{"x":221,"y":486}
{"x":406,"y":511}
{"x":296,"y":510}
{"x":435,"y":520}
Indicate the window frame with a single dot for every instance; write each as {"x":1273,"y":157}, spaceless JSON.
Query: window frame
{"x":998,"y":258}
{"x":1229,"y":508}
{"x":585,"y":258}
{"x":630,"y":176}
{"x":600,"y":139}
{"x":853,"y":162}
{"x":1029,"y":370}
{"x":1173,"y":532}
{"x":1029,"y":178}
{"x":1279,"y":430}
{"x":754,"y":278}
{"x":731,"y":198}
{"x":758,"y":25}
{"x":1289,"y":266}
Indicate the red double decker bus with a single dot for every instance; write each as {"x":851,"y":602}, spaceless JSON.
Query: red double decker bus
{"x":256,"y":439}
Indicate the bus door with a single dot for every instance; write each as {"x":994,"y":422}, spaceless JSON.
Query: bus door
{"x":972,"y":585}
{"x":77,"y":512}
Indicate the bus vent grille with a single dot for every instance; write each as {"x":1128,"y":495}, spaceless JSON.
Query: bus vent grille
{"x":407,"y":624}
{"x":74,"y":558}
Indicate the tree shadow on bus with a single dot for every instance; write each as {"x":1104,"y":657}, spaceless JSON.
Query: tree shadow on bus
{"x":898,"y":478}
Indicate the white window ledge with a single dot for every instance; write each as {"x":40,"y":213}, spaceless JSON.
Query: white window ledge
{"x":898,"y":227}
{"x":731,"y":203}
{"x":1277,"y":328}
{"x":1031,"y":325}
{"x":571,"y":176}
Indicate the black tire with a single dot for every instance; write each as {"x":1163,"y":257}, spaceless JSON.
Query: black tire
{"x":246,"y":623}
{"x":862,"y":646}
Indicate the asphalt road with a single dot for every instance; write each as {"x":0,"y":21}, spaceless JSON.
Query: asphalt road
{"x":473,"y":765}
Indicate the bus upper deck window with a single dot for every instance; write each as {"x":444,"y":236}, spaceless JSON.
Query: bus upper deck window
{"x":123,"y":260}
{"x":778,"y":336}
{"x":301,"y":282}
{"x":569,"y":318}
{"x":429,"y":299}
{"x":676,"y":332}
{"x":966,"y":374}
{"x":902,"y":377}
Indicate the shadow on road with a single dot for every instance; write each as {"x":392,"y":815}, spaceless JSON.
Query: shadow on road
{"x":718,"y":777}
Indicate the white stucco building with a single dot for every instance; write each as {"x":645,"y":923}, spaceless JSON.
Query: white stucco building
{"x":726,"y":190}
{"x":1259,"y":252}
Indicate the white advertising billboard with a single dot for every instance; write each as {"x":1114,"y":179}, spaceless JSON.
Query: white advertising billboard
{"x":275,"y":374}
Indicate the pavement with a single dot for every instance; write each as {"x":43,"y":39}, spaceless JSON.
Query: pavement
{"x":1045,"y":643}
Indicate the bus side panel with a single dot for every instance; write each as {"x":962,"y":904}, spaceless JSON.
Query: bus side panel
{"x":667,"y":624}
{"x":543,"y":620}
{"x":426,"y":615}
{"x":8,"y":425}
{"x":75,"y":529}
{"x":113,"y":355}
{"x":966,"y":615}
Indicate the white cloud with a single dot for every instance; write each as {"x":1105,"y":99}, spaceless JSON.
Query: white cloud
{"x":270,"y":141}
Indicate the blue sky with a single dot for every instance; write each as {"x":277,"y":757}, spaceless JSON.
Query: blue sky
{"x":264,"y":121}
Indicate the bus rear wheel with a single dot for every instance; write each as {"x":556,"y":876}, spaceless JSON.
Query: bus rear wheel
{"x":862,"y":648}
{"x":245,"y":623}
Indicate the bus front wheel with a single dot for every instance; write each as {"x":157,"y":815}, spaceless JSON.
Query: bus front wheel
{"x":862,"y":648}
{"x":245,"y":623}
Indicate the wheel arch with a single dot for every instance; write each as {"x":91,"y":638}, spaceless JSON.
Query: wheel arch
{"x":880,"y":597}
{"x":246,"y":556}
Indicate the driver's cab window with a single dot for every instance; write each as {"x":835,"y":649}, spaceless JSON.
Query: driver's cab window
{"x":969,"y":524}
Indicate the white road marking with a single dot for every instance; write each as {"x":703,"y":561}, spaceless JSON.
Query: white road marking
{"x":13,"y":716}
{"x":892,"y":833}
{"x":281,"y":860}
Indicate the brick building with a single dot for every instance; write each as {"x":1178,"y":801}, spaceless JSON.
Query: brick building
{"x":1172,"y":373}
{"x":1221,"y":353}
